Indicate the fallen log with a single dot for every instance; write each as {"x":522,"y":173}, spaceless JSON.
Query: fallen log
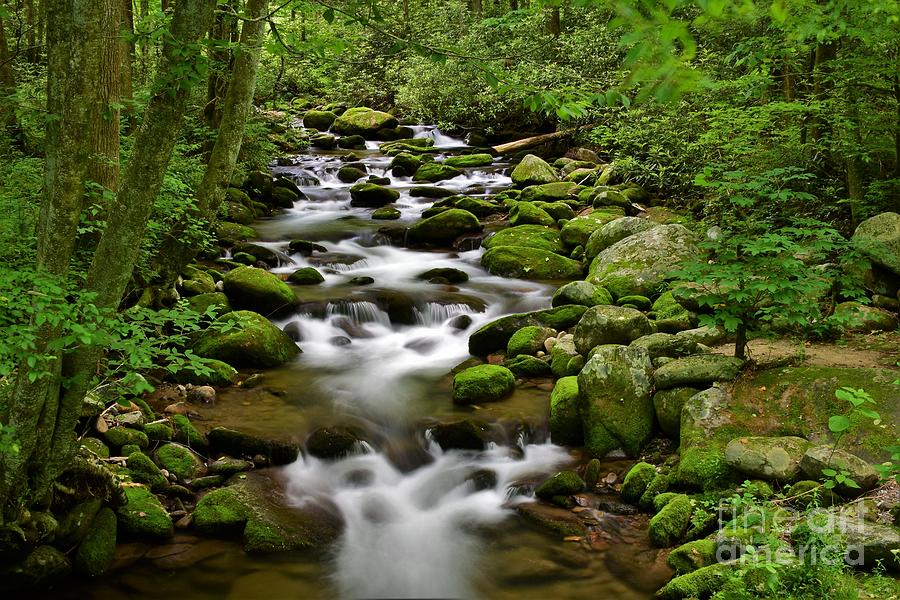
{"x":537,"y":140}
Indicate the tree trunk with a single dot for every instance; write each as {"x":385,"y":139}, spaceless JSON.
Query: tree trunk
{"x":7,"y":84}
{"x":856,"y":183}
{"x":219,"y":58}
{"x":175,"y":253}
{"x":554,"y":25}
{"x":128,"y":54}
{"x":821,"y":85}
{"x":44,"y":420}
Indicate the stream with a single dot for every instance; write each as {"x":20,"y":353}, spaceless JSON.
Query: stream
{"x":415,"y":522}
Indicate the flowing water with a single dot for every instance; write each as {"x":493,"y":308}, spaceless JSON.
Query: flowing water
{"x":418,"y":521}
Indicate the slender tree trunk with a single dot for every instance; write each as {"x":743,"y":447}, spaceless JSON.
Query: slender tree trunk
{"x":219,"y":56}
{"x":513,"y":4}
{"x":69,"y":87}
{"x":128,"y":55}
{"x":821,"y":85}
{"x":176,"y":254}
{"x":856,"y":183}
{"x":7,"y":83}
{"x":554,"y":25}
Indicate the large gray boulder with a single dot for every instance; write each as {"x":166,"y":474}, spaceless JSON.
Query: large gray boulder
{"x":641,"y":263}
{"x":615,"y":231}
{"x":607,"y":324}
{"x":533,"y":170}
{"x":614,"y":393}
{"x":819,"y":458}
{"x":776,"y":458}
{"x":697,"y":370}
{"x":879,"y":238}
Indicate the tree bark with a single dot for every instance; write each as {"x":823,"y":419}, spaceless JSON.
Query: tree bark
{"x":7,"y":84}
{"x":175,"y":253}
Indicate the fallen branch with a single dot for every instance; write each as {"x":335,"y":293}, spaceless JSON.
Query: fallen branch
{"x":537,"y":140}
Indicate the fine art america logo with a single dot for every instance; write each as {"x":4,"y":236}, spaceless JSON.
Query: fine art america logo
{"x":819,"y":536}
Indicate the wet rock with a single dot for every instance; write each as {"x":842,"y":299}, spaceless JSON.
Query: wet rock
{"x":435,"y":172}
{"x":179,"y":461}
{"x":227,"y":465}
{"x":284,"y":197}
{"x":428,"y":191}
{"x":484,"y":383}
{"x":460,"y":322}
{"x":527,"y":236}
{"x":554,"y":518}
{"x":564,"y":483}
{"x":496,"y":334}
{"x":318,"y":119}
{"x":469,"y":160}
{"x":44,"y":566}
{"x":350,"y":174}
{"x":249,"y":288}
{"x":528,"y":366}
{"x":551,"y":192}
{"x":636,"y":482}
{"x":464,"y":434}
{"x":526,"y":213}
{"x":202,"y":394}
{"x":528,"y":340}
{"x":670,"y":524}
{"x":143,"y":470}
{"x":386,"y":213}
{"x":352,"y":142}
{"x":339,"y":340}
{"x":372,"y":195}
{"x":444,"y":227}
{"x":610,"y":325}
{"x":238,"y":443}
{"x":253,"y":341}
{"x":306,"y":247}
{"x":448,"y":274}
{"x":332,"y":442}
{"x":529,"y":263}
{"x":692,"y":556}
{"x":306,"y":276}
{"x":615,"y":231}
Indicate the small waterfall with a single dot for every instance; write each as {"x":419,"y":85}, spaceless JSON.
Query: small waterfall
{"x":434,"y":313}
{"x":358,"y":312}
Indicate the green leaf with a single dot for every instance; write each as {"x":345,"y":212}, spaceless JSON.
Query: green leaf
{"x":838,"y":423}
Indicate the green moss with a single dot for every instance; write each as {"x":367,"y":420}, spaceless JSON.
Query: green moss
{"x":143,"y":517}
{"x":639,"y":302}
{"x":96,"y":446}
{"x":533,"y":170}
{"x":528,"y":366}
{"x":583,"y":293}
{"x":255,"y":289}
{"x":565,"y":420}
{"x":129,"y":449}
{"x":692,"y":556}
{"x":495,"y":335}
{"x":158,"y":432}
{"x":435,"y":172}
{"x":698,"y":370}
{"x":636,"y":481}
{"x":144,"y":470}
{"x":95,"y":553}
{"x":202,"y":302}
{"x":697,"y":584}
{"x":252,"y":341}
{"x":179,"y":461}
{"x":528,"y":340}
{"x":484,"y":383}
{"x":221,"y":512}
{"x":658,"y":485}
{"x":221,"y":375}
{"x":527,"y":236}
{"x":122,"y":436}
{"x":668,"y":405}
{"x":529,"y":263}
{"x":662,"y":499}
{"x":469,"y":160}
{"x":670,"y":524}
{"x":187,"y":434}
{"x":564,"y":483}
{"x":526,"y":213}
{"x":578,"y":231}
{"x":444,"y":227}
{"x":229,"y":233}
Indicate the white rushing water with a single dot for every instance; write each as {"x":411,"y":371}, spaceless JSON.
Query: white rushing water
{"x":407,"y":534}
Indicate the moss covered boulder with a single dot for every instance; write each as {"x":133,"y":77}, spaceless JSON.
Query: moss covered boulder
{"x":701,"y":583}
{"x":319,"y":119}
{"x":95,"y":553}
{"x":578,"y":231}
{"x":524,"y":365}
{"x":363,"y":121}
{"x":564,"y":357}
{"x":692,"y":556}
{"x":306,"y":276}
{"x":144,"y":470}
{"x":770,"y":458}
{"x":669,"y":525}
{"x":533,"y":170}
{"x":853,"y":316}
{"x":529,"y":263}
{"x":240,"y":443}
{"x":607,"y":324}
{"x":551,"y":192}
{"x":434,"y":172}
{"x":636,"y":482}
{"x":564,"y":483}
{"x":462,"y":434}
{"x":817,"y":459}
{"x":444,"y":227}
{"x":707,"y":425}
{"x":615,"y":397}
{"x":528,"y":340}
{"x":565,"y":420}
{"x":615,"y":231}
{"x":257,"y":508}
{"x":484,"y":383}
{"x":386,"y":213}
{"x":698,"y":370}
{"x":144,"y":517}
{"x":526,"y":213}
{"x":495,"y":335}
{"x":583,"y":293}
{"x":668,"y":405}
{"x":252,"y":341}
{"x":179,"y":461}
{"x":527,"y":236}
{"x":879,"y":238}
{"x":371,"y":195}
{"x":469,"y":160}
{"x":249,"y":288}
{"x":642,"y":263}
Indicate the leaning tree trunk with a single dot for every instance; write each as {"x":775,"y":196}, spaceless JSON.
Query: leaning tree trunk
{"x":70,"y":24}
{"x":44,"y":419}
{"x":175,"y":253}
